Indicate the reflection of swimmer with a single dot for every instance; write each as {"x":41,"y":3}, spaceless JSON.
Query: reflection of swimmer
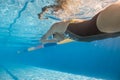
{"x":103,"y":25}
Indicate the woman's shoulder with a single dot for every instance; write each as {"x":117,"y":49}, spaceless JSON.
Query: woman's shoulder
{"x":108,"y":19}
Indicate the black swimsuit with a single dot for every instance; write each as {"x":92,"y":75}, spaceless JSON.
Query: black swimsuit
{"x":87,"y":31}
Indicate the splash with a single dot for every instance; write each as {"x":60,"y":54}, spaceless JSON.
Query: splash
{"x":68,"y":9}
{"x":63,"y":9}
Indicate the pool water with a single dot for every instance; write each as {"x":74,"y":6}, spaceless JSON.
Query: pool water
{"x":20,"y":29}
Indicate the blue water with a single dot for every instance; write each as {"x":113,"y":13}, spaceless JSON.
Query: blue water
{"x":20,"y":28}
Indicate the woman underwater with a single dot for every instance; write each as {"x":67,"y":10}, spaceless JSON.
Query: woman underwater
{"x":105,"y":24}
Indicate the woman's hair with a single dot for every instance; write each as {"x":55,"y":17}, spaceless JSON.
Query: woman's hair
{"x":62,"y":8}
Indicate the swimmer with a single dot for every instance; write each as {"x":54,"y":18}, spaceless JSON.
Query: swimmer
{"x":105,"y":24}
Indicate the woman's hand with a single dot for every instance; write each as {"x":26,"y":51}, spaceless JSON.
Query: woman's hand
{"x":57,"y":31}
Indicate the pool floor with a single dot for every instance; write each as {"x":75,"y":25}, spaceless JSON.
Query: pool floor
{"x":26,"y":72}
